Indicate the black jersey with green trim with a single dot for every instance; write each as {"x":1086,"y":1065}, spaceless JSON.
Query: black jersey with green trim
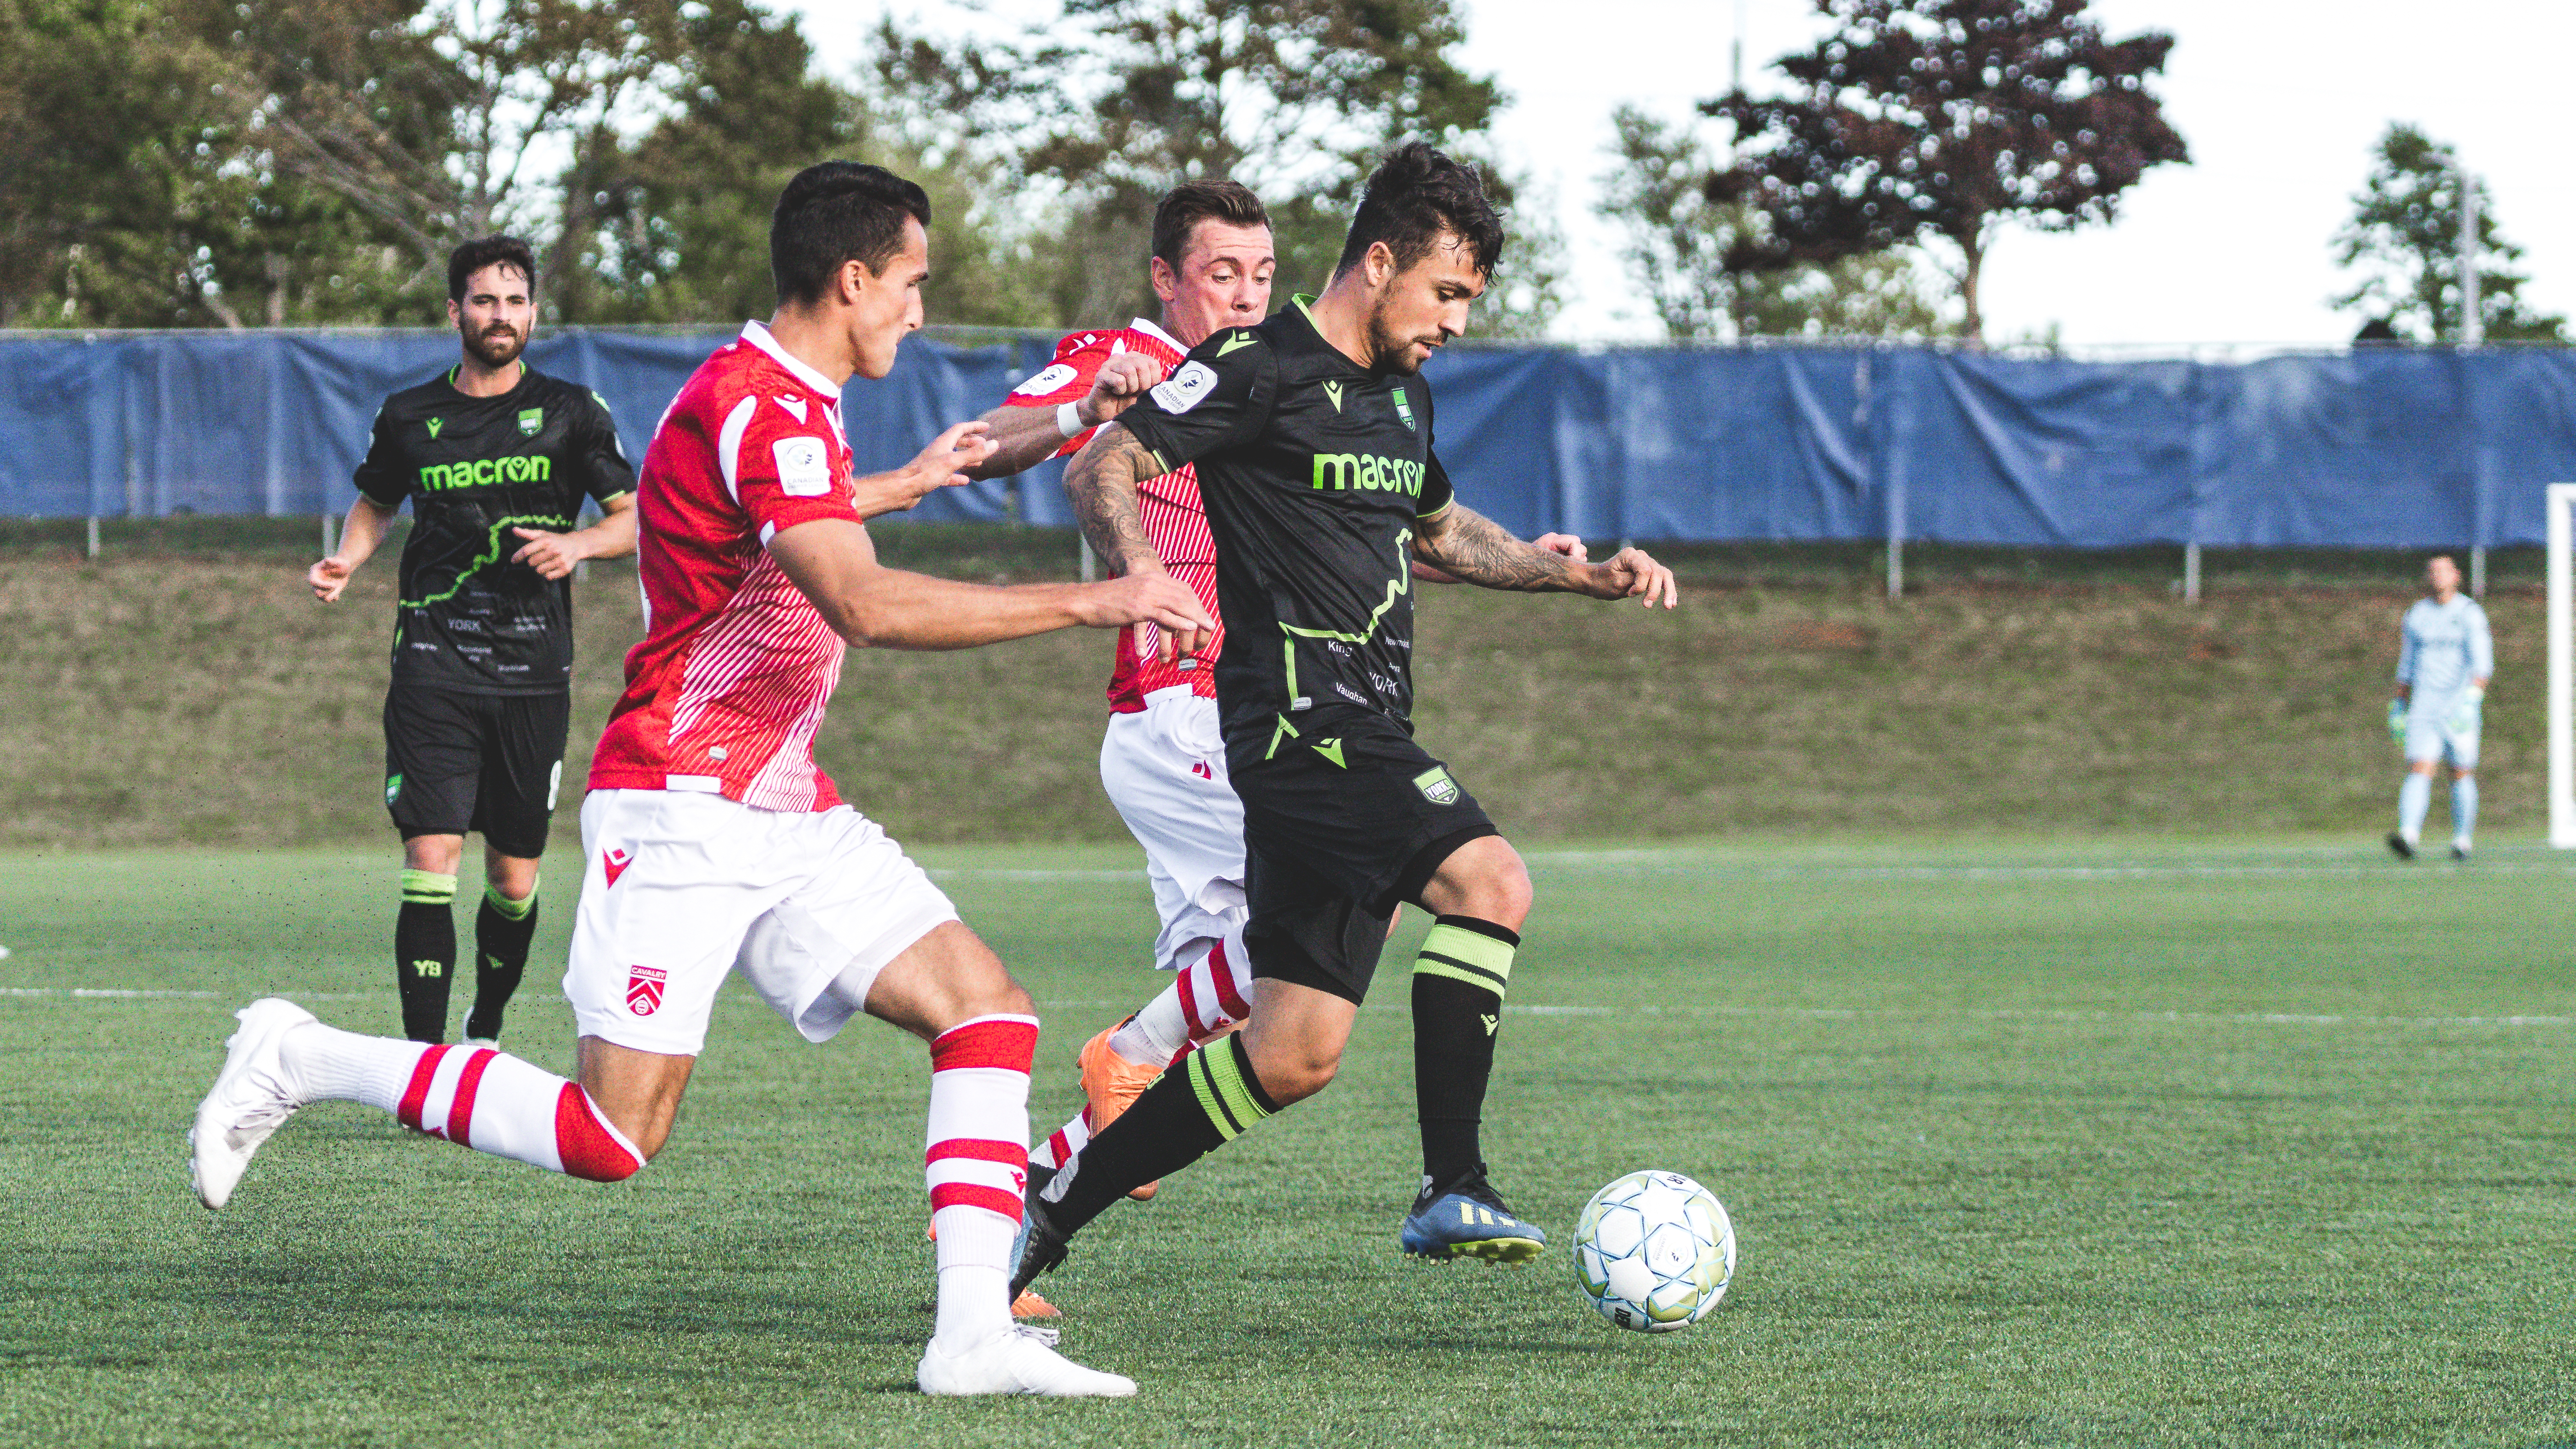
{"x":1315,"y":472}
{"x":475,"y":468}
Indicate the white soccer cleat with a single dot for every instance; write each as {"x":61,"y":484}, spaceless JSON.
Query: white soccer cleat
{"x":1017,"y":1361}
{"x":250,"y":1100}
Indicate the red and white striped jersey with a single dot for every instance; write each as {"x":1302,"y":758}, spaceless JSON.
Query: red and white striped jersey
{"x":728,"y":687}
{"x":1175,"y":521}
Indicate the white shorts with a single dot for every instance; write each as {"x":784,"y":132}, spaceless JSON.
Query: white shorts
{"x":1164,"y":769}
{"x":679,"y":888}
{"x":2429,"y":736}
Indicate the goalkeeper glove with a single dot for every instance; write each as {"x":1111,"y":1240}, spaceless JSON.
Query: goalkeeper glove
{"x":2464,"y":716}
{"x":2397,"y":721}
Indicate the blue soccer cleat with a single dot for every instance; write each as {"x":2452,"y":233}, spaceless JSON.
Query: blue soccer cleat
{"x":1466,"y":1219}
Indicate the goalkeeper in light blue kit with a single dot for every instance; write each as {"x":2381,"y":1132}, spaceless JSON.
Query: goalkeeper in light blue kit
{"x":2444,"y":660}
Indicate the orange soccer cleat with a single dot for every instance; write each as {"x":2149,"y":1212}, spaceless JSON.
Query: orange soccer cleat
{"x":1110,"y":1085}
{"x":1030,"y":1305}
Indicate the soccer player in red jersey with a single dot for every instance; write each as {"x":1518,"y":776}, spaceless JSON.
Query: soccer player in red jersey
{"x":715,"y":845}
{"x":1162,"y":762}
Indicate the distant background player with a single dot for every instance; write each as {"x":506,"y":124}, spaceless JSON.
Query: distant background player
{"x":494,"y":458}
{"x":2445,"y":656}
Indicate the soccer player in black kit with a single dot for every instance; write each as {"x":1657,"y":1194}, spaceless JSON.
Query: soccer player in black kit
{"x":1313,"y":437}
{"x":495,"y":459}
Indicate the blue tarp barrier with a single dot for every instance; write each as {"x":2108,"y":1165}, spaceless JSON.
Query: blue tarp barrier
{"x":2377,"y":448}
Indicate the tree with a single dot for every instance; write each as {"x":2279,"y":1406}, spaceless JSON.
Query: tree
{"x":1944,"y":118}
{"x":1679,"y":239}
{"x":2404,"y":238}
{"x":1296,"y":99}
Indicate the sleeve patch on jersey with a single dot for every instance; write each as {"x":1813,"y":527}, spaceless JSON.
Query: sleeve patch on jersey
{"x":804,"y":467}
{"x":1047,"y":381}
{"x":1183,"y":390}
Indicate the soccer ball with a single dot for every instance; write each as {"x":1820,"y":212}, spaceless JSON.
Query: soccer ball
{"x":1654,"y":1251}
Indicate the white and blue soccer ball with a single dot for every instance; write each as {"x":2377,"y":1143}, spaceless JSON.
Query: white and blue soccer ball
{"x":1654,"y":1252}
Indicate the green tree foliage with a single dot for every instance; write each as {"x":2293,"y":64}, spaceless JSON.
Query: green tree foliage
{"x":1944,"y":118}
{"x":1679,"y":240}
{"x":2404,"y":241}
{"x":239,"y":162}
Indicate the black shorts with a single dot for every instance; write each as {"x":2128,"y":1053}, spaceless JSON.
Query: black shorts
{"x":1340,"y":825}
{"x":491,"y":763}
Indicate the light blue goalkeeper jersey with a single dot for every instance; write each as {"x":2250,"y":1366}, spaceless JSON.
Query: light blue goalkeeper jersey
{"x":2445,"y":646}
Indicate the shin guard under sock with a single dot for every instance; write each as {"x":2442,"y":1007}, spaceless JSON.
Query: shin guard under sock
{"x":425,"y":953}
{"x":1189,"y":1112}
{"x":502,"y":930}
{"x":1458,"y":984}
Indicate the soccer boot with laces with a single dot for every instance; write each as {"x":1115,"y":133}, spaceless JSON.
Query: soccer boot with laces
{"x":1467,"y":1219}
{"x":2400,"y":846}
{"x":251,"y":1099}
{"x":1017,"y":1360}
{"x":1110,"y":1085}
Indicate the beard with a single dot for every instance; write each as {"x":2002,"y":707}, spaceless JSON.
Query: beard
{"x":497,"y":346}
{"x":1389,"y":351}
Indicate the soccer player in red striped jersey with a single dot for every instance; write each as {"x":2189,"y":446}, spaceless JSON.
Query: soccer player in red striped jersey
{"x":715,"y":845}
{"x":1162,"y":762}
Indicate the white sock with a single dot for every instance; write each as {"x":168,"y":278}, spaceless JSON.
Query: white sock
{"x":2413,"y":799}
{"x":977,"y":1165}
{"x":475,"y":1097}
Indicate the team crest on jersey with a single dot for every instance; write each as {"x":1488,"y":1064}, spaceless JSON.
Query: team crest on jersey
{"x":393,"y":789}
{"x":1436,"y":786}
{"x":644,"y":989}
{"x":1404,"y":410}
{"x":532,"y":421}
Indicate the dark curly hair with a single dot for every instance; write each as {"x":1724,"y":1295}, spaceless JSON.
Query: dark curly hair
{"x":474,"y":256}
{"x":1415,"y":195}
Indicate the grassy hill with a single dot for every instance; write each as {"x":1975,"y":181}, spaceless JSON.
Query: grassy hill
{"x":183,"y":689}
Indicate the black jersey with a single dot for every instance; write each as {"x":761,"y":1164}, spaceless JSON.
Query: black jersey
{"x":475,"y":468}
{"x":1315,"y":472}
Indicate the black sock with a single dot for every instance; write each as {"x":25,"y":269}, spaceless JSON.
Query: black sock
{"x":1458,"y":984}
{"x":425,"y":953}
{"x":1189,"y":1112}
{"x":500,"y":958}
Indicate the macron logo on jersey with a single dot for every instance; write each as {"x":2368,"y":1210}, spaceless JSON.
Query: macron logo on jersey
{"x":795,"y":406}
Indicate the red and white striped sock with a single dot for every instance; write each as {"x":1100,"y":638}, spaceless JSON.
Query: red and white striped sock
{"x":1210,"y":992}
{"x":1065,"y":1141}
{"x":472,"y":1096}
{"x":978,"y":1163}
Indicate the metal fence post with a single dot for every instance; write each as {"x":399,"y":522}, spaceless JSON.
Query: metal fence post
{"x":93,"y":535}
{"x":2191,"y":572}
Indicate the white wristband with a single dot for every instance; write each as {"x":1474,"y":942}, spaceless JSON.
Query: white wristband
{"x":1068,"y":419}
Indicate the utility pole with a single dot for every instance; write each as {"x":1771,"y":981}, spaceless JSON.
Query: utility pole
{"x":2473,"y":322}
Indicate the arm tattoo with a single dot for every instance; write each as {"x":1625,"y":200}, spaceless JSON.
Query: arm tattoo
{"x":1102,"y":481}
{"x":1474,"y":548}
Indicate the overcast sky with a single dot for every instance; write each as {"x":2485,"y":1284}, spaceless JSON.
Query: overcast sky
{"x":2280,"y":101}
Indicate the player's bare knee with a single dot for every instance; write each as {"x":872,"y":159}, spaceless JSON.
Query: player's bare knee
{"x":437,"y":854}
{"x":1295,"y":1076}
{"x":513,"y":876}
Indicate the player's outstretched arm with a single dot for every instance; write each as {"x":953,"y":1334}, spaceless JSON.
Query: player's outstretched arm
{"x":835,"y":565}
{"x":1557,"y":543}
{"x":1024,"y":437}
{"x":1474,"y":549}
{"x":949,"y":462}
{"x":1102,"y":482}
{"x":365,"y":528}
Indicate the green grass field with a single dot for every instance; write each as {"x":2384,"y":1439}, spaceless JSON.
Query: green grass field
{"x":2112,"y":1144}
